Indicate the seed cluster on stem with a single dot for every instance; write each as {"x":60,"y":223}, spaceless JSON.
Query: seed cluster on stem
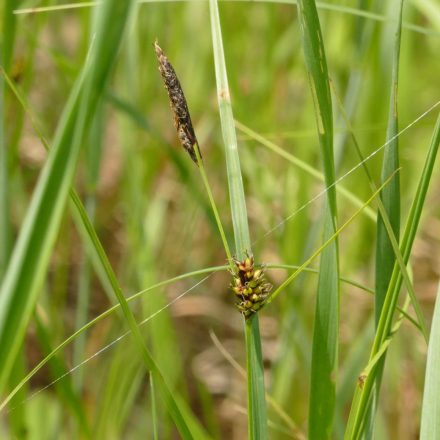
{"x":250,"y":287}
{"x":248,"y":284}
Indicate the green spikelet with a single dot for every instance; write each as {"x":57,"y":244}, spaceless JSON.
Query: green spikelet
{"x":250,"y":287}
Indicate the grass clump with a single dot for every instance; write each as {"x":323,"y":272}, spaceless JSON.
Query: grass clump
{"x":295,"y":107}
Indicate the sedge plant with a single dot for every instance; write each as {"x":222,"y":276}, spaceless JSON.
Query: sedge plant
{"x":335,"y":353}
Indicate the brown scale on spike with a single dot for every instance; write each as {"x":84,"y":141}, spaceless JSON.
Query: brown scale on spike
{"x":250,"y":287}
{"x":182,"y":118}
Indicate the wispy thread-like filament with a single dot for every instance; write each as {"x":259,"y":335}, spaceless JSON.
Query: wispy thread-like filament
{"x":182,"y":118}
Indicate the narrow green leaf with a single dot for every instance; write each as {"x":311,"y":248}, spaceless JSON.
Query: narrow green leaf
{"x":430,"y":423}
{"x":325,"y":338}
{"x":391,"y":194}
{"x":6,"y":46}
{"x":5,"y":218}
{"x":325,"y":333}
{"x":421,"y":325}
{"x":30,"y":256}
{"x":9,"y":22}
{"x":363,"y":38}
{"x":48,"y":203}
{"x":257,"y":413}
{"x":235,"y":182}
{"x":364,"y":394}
{"x":255,"y":380}
{"x":28,"y":263}
{"x":184,"y":419}
{"x":390,"y":197}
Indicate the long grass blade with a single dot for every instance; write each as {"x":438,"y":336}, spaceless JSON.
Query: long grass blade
{"x":257,"y":413}
{"x":235,"y":182}
{"x":430,"y":422}
{"x":184,"y":420}
{"x":363,"y":393}
{"x":325,"y":335}
{"x":81,"y":107}
{"x":30,"y":257}
{"x":5,"y":223}
{"x":6,"y":46}
{"x":421,"y":324}
{"x":390,"y":196}
{"x":390,"y":199}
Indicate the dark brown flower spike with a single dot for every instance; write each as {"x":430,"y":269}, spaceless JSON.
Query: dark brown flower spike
{"x":182,"y":118}
{"x":250,"y":287}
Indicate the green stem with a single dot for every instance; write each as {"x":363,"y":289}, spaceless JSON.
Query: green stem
{"x":257,"y":426}
{"x":257,"y":416}
{"x":214,"y":206}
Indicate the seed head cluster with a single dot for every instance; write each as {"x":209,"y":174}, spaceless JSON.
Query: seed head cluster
{"x":250,"y":287}
{"x":182,"y":118}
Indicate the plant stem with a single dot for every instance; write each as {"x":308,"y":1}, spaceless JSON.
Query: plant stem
{"x":214,"y":206}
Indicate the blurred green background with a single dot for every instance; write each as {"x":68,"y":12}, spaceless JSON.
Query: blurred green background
{"x":153,"y":217}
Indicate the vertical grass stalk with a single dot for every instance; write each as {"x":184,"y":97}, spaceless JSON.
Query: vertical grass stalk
{"x":390,"y":199}
{"x":325,"y":334}
{"x":421,"y":324}
{"x":257,"y":414}
{"x":31,"y":254}
{"x":430,"y":423}
{"x":363,"y":394}
{"x":6,"y":45}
